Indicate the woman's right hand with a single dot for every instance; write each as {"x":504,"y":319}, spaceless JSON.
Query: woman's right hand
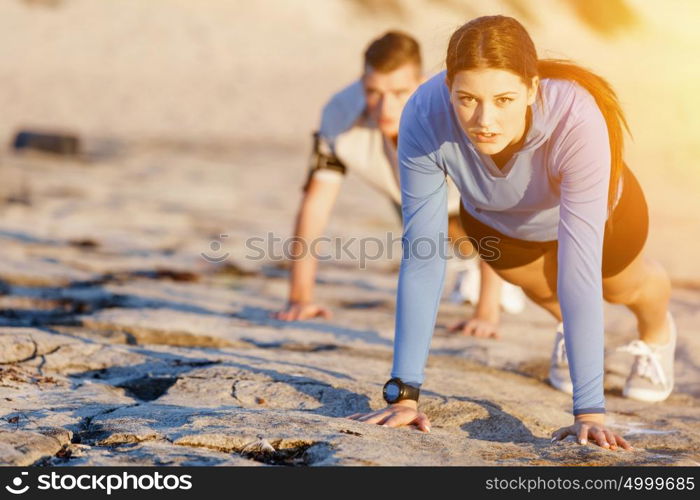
{"x":299,"y":311}
{"x":592,"y":426}
{"x":405,"y":412}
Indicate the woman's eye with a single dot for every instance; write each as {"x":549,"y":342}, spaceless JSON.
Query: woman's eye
{"x":504,"y":100}
{"x":467,"y":99}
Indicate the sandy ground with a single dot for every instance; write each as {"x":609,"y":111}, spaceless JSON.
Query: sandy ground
{"x":233,"y":72}
{"x":121,"y":344}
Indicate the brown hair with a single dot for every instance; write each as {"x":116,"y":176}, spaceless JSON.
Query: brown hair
{"x":391,"y":51}
{"x":502,"y":42}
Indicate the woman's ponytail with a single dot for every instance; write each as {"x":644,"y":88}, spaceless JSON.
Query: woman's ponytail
{"x":609,"y":106}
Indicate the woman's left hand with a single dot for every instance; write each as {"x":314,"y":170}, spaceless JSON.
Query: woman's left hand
{"x":592,"y":426}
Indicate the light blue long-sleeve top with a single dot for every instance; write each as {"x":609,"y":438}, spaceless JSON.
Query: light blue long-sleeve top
{"x":555,"y":187}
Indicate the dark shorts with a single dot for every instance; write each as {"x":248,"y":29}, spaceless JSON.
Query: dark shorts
{"x":621,"y":244}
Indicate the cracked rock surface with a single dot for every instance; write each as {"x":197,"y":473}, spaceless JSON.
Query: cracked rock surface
{"x":121,"y":345}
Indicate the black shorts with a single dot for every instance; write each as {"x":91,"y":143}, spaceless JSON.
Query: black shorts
{"x":621,"y":244}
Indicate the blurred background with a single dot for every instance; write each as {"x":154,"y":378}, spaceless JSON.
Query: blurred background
{"x":245,"y":82}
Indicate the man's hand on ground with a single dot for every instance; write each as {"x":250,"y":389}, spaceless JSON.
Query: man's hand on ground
{"x":476,"y":327}
{"x":299,"y":311}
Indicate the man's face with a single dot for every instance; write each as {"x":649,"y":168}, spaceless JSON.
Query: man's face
{"x":493,"y":101}
{"x":386,"y":95}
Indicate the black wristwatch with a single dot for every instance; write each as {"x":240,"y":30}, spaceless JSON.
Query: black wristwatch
{"x":396,"y":390}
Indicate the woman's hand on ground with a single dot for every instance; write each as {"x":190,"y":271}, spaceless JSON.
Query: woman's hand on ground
{"x":299,"y":311}
{"x":592,"y":427}
{"x":476,"y":327}
{"x":405,"y":412}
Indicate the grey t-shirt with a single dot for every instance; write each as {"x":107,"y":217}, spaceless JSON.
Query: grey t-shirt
{"x":351,"y":143}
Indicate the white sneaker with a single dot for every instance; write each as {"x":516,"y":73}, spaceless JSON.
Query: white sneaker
{"x":467,"y":283}
{"x":559,"y":376}
{"x":651,"y":376}
{"x":512,"y":298}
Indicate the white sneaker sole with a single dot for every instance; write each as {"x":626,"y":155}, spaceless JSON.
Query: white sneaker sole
{"x":646,"y":395}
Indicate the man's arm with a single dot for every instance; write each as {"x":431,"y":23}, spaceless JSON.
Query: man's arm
{"x":320,"y":192}
{"x":315,"y":209}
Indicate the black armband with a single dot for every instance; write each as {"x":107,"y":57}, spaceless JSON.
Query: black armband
{"x":322,"y":158}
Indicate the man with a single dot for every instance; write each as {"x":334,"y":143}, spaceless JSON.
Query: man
{"x":359,"y":132}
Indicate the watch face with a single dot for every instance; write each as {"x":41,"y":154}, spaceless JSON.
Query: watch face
{"x":392,"y":391}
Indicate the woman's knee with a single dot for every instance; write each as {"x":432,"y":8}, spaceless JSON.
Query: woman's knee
{"x":540,"y":298}
{"x":622,"y":295}
{"x":661,"y":282}
{"x":650,"y":281}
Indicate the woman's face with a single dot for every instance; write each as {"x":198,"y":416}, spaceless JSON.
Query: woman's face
{"x":492,"y":101}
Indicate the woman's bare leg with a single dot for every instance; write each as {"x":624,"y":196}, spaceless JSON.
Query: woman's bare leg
{"x":645,"y":288}
{"x":459,"y":238}
{"x":538,"y":280}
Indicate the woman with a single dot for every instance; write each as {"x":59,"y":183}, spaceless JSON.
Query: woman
{"x":535,"y":148}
